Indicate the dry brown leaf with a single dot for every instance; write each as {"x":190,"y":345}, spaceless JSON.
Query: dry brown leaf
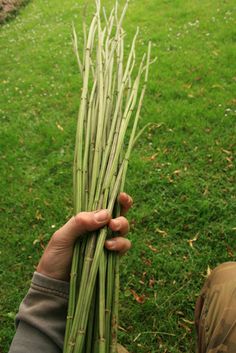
{"x":153,"y":248}
{"x":185,"y":326}
{"x":59,"y":127}
{"x":229,"y":159}
{"x":162,"y":232}
{"x":191,"y":241}
{"x":177,"y":172}
{"x":151,"y":282}
{"x":139,"y":299}
{"x":230,"y":251}
{"x":38,"y":215}
{"x":153,"y":156}
{"x":143,"y":276}
{"x":208,"y":271}
{"x":122,"y":329}
{"x":188,"y":322}
{"x":147,"y":262}
{"x":226,"y":151}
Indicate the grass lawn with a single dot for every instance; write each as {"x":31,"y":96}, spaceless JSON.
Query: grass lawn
{"x":181,"y":176}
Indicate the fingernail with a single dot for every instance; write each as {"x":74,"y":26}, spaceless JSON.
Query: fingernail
{"x":110,"y":244}
{"x":101,"y":216}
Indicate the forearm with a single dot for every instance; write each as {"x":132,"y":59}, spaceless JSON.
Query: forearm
{"x":41,"y":318}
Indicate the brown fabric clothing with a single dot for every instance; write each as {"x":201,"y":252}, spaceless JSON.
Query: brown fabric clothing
{"x":215,"y":312}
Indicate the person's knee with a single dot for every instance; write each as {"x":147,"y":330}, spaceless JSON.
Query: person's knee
{"x":216,"y":309}
{"x":225,"y":272}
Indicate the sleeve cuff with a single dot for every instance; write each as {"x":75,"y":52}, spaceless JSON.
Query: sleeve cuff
{"x":56,"y":287}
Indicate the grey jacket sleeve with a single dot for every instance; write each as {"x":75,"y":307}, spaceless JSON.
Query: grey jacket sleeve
{"x":41,"y":318}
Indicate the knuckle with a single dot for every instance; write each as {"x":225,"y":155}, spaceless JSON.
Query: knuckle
{"x":81,"y":219}
{"x":55,"y":236}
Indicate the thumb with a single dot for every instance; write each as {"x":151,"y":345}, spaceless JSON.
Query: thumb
{"x":80,"y":224}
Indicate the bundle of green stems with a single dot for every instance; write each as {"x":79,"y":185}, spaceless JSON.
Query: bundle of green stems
{"x":111,"y":101}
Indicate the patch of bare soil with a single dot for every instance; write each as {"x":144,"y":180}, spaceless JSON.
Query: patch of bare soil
{"x":9,"y":8}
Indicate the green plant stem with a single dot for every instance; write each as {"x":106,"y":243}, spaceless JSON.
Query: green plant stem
{"x":73,"y":287}
{"x":109,"y":295}
{"x":115,"y":306}
{"x":108,"y":100}
{"x":102,"y":296}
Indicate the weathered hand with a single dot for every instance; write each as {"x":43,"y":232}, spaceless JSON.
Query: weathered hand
{"x":56,"y":259}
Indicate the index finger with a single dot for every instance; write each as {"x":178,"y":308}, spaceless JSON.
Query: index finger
{"x":125,"y":202}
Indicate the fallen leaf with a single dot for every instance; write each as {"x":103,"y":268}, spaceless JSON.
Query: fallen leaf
{"x":230,"y":251}
{"x":177,"y":172}
{"x":122,"y":329}
{"x":162,"y":232}
{"x":188,"y":322}
{"x":208,"y":271}
{"x":151,"y":282}
{"x":153,"y":248}
{"x":59,"y":127}
{"x":226,"y":151}
{"x":143,"y":276}
{"x":38,"y":215}
{"x":191,"y":241}
{"x":185,"y":326}
{"x":139,"y":299}
{"x":153,"y":156}
{"x":229,"y":159}
{"x":147,"y":261}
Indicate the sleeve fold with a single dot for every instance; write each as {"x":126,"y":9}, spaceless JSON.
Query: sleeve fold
{"x":41,"y":318}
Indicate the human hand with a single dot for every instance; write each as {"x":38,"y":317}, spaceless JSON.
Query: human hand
{"x":56,"y":259}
